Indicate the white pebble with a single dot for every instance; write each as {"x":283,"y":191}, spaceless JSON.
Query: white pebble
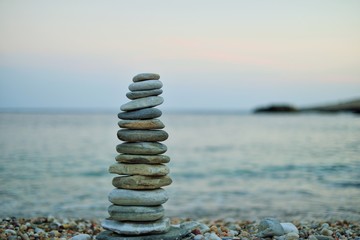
{"x":10,"y":231}
{"x":203,"y":228}
{"x":326,"y":232}
{"x":325,"y":225}
{"x":312,"y":237}
{"x":213,"y":236}
{"x":81,"y":237}
{"x":39,"y":230}
{"x":233,"y":233}
{"x":289,"y":227}
{"x":199,"y":237}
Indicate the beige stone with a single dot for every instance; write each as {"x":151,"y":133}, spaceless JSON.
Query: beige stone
{"x":139,"y":169}
{"x":137,"y":182}
{"x":141,"y":124}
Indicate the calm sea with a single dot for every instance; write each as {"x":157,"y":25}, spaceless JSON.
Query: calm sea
{"x":241,"y":166}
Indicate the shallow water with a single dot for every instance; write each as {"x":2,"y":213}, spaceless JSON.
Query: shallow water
{"x":222,"y":165}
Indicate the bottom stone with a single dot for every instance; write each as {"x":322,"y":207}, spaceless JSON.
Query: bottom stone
{"x":137,"y":228}
{"x":173,"y":234}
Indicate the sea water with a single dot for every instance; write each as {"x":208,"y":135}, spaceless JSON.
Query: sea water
{"x":239,"y":166}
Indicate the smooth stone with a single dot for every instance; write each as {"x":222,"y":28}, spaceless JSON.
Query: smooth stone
{"x":292,"y":236}
{"x":142,"y":103}
{"x":137,"y":182}
{"x":321,"y":237}
{"x":138,"y":198}
{"x":110,"y":235}
{"x":146,"y":113}
{"x":326,"y":232}
{"x":146,"y":76}
{"x":141,"y":124}
{"x":81,"y":237}
{"x":141,"y":94}
{"x":10,"y":231}
{"x":174,"y":233}
{"x":190,"y":225}
{"x":147,"y":148}
{"x":289,"y":227}
{"x":147,"y":159}
{"x":213,"y":236}
{"x":325,"y":225}
{"x":145,"y":85}
{"x":139,"y":169}
{"x":142,"y":135}
{"x":136,"y":213}
{"x":270,"y":227}
{"x":136,"y":228}
{"x":199,"y":237}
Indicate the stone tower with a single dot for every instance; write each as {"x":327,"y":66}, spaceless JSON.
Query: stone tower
{"x":138,"y":195}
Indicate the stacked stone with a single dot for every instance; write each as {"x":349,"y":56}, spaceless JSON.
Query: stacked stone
{"x":138,"y":197}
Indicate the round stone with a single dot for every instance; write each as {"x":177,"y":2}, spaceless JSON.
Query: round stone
{"x":127,"y":197}
{"x":139,"y":169}
{"x":146,"y":113}
{"x":146,"y":76}
{"x":142,"y":103}
{"x":142,"y":135}
{"x":135,"y":228}
{"x":141,"y":124}
{"x":145,"y":85}
{"x":270,"y":227}
{"x":141,"y":94}
{"x":147,"y":159}
{"x":136,"y":213}
{"x":146,"y":148}
{"x":137,"y":182}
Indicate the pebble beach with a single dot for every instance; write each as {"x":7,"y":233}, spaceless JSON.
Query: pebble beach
{"x":293,"y":185}
{"x":211,"y":229}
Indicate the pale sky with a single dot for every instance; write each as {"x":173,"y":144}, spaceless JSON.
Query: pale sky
{"x":212,"y":55}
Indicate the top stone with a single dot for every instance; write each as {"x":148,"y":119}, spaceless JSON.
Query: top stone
{"x":146,"y":76}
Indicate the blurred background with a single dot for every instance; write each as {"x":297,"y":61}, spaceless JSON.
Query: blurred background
{"x":64,"y":71}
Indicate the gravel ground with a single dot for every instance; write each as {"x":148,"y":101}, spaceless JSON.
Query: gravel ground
{"x":81,"y":229}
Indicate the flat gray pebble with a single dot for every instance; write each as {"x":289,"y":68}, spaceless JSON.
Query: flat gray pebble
{"x":151,"y":148}
{"x":141,"y":103}
{"x":141,"y":94}
{"x":146,"y":113}
{"x":142,"y":135}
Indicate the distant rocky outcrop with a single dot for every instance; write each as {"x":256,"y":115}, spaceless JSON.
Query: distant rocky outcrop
{"x":275,"y":108}
{"x":351,"y":106}
{"x":346,"y":106}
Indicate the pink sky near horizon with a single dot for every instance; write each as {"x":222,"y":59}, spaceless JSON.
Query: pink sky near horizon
{"x":253,"y":51}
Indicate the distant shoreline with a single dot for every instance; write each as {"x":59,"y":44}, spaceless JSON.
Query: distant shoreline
{"x":351,"y":106}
